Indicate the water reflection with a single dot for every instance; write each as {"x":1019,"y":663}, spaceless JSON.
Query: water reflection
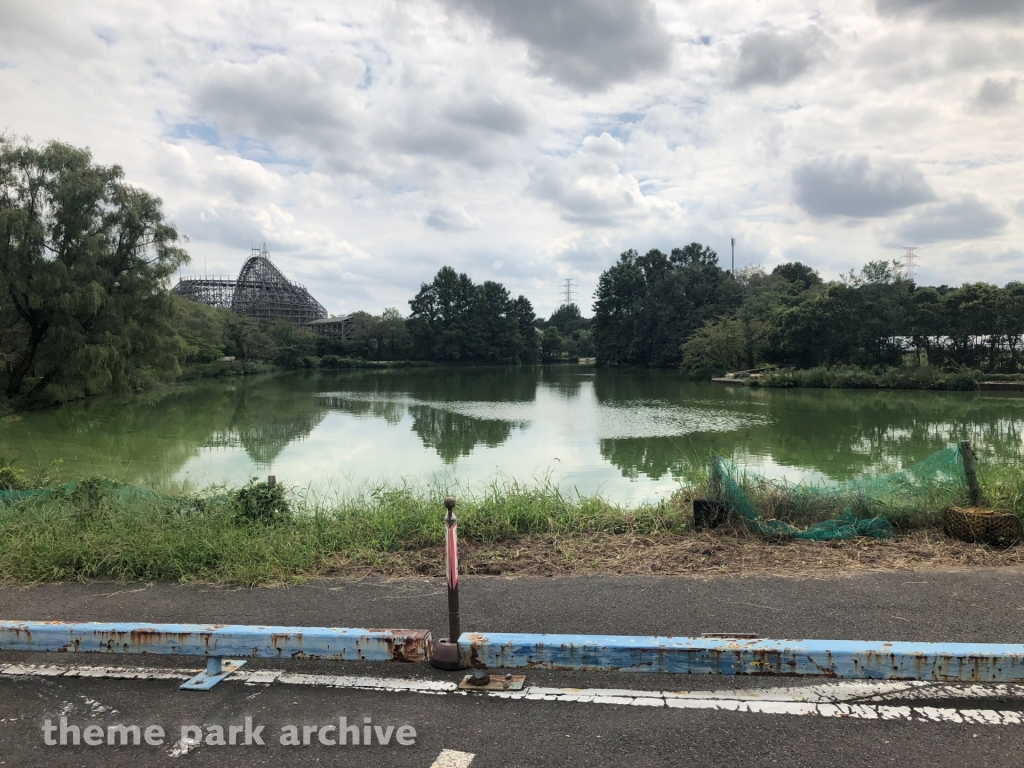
{"x":839,"y":434}
{"x":630,"y":434}
{"x":263,"y":423}
{"x":452,"y":429}
{"x":453,"y":435}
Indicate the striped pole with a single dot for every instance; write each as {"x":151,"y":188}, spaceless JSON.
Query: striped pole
{"x":451,"y":567}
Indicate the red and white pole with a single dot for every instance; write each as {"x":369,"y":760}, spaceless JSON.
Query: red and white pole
{"x":451,"y":557}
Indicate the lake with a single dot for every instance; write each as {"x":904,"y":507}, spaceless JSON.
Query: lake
{"x":631,"y":435}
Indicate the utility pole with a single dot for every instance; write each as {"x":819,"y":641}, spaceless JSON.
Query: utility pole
{"x":733,"y":256}
{"x":910,"y":262}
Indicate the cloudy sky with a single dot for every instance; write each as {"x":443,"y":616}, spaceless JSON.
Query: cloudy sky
{"x":530,"y":141}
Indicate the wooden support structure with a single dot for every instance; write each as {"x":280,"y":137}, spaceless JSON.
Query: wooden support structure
{"x":261,"y":292}
{"x":972,"y":473}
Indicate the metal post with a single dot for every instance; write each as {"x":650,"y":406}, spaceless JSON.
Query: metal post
{"x":451,"y":565}
{"x":972,"y":474}
{"x":445,"y":653}
{"x":214,"y":666}
{"x":733,"y":239}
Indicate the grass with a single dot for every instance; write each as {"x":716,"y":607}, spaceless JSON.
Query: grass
{"x":108,"y":534}
{"x":853,"y":377}
{"x":98,"y":530}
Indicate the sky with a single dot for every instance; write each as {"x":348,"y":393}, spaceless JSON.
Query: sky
{"x":532,"y":141}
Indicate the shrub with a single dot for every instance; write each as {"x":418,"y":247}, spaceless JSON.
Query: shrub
{"x":258,"y":503}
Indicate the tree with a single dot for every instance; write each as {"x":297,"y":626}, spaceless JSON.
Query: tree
{"x":84,"y":258}
{"x":530,"y":349}
{"x":494,"y":326}
{"x":439,"y":320}
{"x":394,"y":334}
{"x":647,"y":306}
{"x":551,"y":343}
{"x":797,"y":273}
{"x":568,"y":318}
{"x":620,"y":292}
{"x":882,"y":272}
{"x":203,"y":328}
{"x":725,"y":345}
{"x":453,"y":320}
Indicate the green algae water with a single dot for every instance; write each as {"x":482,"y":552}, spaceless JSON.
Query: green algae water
{"x":629,"y":435}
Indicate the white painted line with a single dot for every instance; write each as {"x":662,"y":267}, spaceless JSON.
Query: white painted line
{"x":864,"y":700}
{"x":263,"y":676}
{"x":130,"y":673}
{"x":449,"y":758}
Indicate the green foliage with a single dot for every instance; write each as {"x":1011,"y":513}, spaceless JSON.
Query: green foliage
{"x":256,"y":502}
{"x":551,"y":344}
{"x":648,"y":306}
{"x":846,"y":377}
{"x":568,"y":319}
{"x":203,"y":329}
{"x":455,"y":321}
{"x":128,"y":534}
{"x":726,"y":345}
{"x":12,"y":478}
{"x":875,"y":320}
{"x":83,"y":262}
{"x":798,"y":274}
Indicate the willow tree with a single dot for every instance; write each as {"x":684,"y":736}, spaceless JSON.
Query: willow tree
{"x":84,"y":263}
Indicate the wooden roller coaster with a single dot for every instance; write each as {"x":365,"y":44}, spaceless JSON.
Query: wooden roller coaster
{"x":261,"y":292}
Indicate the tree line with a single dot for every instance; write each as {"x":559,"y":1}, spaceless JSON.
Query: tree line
{"x":85,"y":266}
{"x":683,"y":309}
{"x":873,"y":319}
{"x":86,"y":261}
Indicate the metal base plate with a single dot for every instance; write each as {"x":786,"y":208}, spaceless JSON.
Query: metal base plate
{"x":446,"y":655}
{"x":205,"y":681}
{"x":497,"y":683}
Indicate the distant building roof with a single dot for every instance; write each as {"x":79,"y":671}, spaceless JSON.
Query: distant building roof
{"x":330,"y":320}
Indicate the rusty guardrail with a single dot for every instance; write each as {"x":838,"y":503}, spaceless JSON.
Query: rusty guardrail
{"x":746,"y":655}
{"x":217,"y":641}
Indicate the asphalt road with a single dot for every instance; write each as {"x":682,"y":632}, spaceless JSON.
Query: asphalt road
{"x":980,"y":606}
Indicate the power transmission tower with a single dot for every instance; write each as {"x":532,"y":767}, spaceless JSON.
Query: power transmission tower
{"x":568,"y":289}
{"x":910,"y":262}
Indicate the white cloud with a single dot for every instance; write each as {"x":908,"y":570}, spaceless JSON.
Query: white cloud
{"x":451,"y":218}
{"x":371,"y":143}
{"x":605,"y":145}
{"x":591,"y":189}
{"x":273,"y":97}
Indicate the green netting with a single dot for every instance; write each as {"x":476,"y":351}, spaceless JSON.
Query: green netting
{"x":862,"y":507}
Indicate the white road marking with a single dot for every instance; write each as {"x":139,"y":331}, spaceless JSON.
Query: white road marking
{"x":449,"y":758}
{"x":854,"y":699}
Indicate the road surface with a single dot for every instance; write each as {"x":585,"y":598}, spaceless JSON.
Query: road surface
{"x":722,"y":721}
